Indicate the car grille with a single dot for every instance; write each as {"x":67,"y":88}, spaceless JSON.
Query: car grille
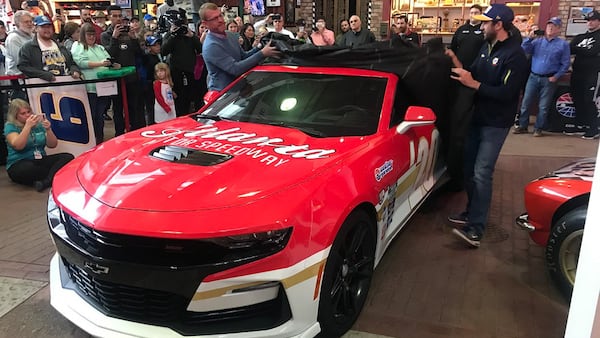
{"x":169,"y":309}
{"x":162,"y":251}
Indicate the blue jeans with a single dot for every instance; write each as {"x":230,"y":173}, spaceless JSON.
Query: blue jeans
{"x":538,"y":87}
{"x":482,"y":148}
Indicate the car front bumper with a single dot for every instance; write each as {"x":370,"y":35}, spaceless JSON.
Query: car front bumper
{"x":70,"y":304}
{"x":523,"y":222}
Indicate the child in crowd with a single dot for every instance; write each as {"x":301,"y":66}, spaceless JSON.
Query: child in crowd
{"x":151,"y":59}
{"x":164,"y":103}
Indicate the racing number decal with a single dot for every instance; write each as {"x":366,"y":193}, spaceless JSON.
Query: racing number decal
{"x":431,"y":160}
{"x":397,"y":200}
{"x":69,"y":121}
{"x":427,"y":153}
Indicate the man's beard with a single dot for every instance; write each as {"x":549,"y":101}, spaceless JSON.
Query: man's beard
{"x":87,"y":20}
{"x":27,"y":30}
{"x":491,"y":36}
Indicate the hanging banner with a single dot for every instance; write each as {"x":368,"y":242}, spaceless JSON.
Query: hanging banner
{"x":67,"y":108}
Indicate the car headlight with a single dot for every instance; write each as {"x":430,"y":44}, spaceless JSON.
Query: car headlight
{"x":56,"y":219}
{"x":266,"y":238}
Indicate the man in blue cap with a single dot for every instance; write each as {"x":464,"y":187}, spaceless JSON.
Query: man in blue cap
{"x":149,"y":22}
{"x":42,"y":57}
{"x":550,"y":59}
{"x":497,"y":76}
{"x":585,"y":79}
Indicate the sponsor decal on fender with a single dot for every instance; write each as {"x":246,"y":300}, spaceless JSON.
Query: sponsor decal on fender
{"x":234,"y":135}
{"x":385,"y":169}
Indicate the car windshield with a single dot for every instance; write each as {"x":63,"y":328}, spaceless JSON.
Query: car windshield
{"x":316,"y":104}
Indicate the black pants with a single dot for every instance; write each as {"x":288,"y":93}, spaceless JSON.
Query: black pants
{"x":136,"y":114}
{"x":583,"y":89}
{"x":182,"y":86}
{"x":199,"y":90}
{"x":28,"y":171}
{"x":98,"y":105}
{"x":149,"y":102}
{"x":17,"y":91}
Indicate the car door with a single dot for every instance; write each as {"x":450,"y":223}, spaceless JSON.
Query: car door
{"x":413,"y":156}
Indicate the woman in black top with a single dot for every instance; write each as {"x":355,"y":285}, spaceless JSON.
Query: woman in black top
{"x":247,"y":34}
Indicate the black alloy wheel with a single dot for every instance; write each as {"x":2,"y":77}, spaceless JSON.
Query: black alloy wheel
{"x":347,"y":276}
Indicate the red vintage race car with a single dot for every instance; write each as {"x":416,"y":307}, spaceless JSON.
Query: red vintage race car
{"x":557,"y":206}
{"x":262,"y":215}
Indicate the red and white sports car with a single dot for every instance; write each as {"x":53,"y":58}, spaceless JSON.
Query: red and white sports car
{"x":557,"y":206}
{"x":263,"y":215}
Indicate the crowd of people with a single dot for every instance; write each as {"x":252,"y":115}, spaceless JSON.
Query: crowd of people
{"x":176,"y":66}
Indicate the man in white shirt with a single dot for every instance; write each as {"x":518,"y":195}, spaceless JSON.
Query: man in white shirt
{"x":278,"y":26}
{"x":168,"y":5}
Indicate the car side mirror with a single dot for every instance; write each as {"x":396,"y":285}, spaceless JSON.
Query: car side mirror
{"x":415,"y":117}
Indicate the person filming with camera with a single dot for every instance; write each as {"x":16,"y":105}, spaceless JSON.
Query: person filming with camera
{"x":182,"y":45}
{"x":123,"y":46}
{"x":550,"y":59}
{"x":27,"y":137}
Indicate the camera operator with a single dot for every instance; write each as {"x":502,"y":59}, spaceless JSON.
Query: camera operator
{"x":122,"y":45}
{"x":182,"y":45}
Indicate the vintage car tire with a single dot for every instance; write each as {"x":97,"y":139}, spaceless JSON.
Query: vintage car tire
{"x":348,"y":274}
{"x":562,"y":250}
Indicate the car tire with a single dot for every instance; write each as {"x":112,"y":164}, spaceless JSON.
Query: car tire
{"x":347,"y":276}
{"x":562,"y":250}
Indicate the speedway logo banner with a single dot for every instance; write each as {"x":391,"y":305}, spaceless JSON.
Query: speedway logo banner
{"x":67,"y":108}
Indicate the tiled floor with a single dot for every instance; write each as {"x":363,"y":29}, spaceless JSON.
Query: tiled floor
{"x":427,"y":285}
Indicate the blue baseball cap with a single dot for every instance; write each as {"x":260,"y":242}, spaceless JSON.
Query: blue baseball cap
{"x":41,"y":20}
{"x":555,"y":20}
{"x":152,"y":40}
{"x":149,"y":17}
{"x":497,"y":12}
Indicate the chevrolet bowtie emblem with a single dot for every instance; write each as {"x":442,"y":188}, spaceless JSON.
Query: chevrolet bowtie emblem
{"x":96,"y":268}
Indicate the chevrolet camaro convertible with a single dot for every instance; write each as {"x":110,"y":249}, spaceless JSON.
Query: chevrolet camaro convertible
{"x":262,"y":215}
{"x":557,"y":206}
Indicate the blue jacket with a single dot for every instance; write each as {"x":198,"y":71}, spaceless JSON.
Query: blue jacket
{"x":502,"y":71}
{"x":226,"y":60}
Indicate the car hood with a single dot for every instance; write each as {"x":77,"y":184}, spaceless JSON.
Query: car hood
{"x":185,"y":165}
{"x":582,"y":169}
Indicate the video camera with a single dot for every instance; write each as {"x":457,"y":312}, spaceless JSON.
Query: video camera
{"x":172,"y":19}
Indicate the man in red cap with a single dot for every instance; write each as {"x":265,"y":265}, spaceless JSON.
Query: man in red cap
{"x":497,"y":77}
{"x":585,"y":79}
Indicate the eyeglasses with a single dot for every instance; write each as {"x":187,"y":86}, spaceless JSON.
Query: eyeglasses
{"x":215,"y":18}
